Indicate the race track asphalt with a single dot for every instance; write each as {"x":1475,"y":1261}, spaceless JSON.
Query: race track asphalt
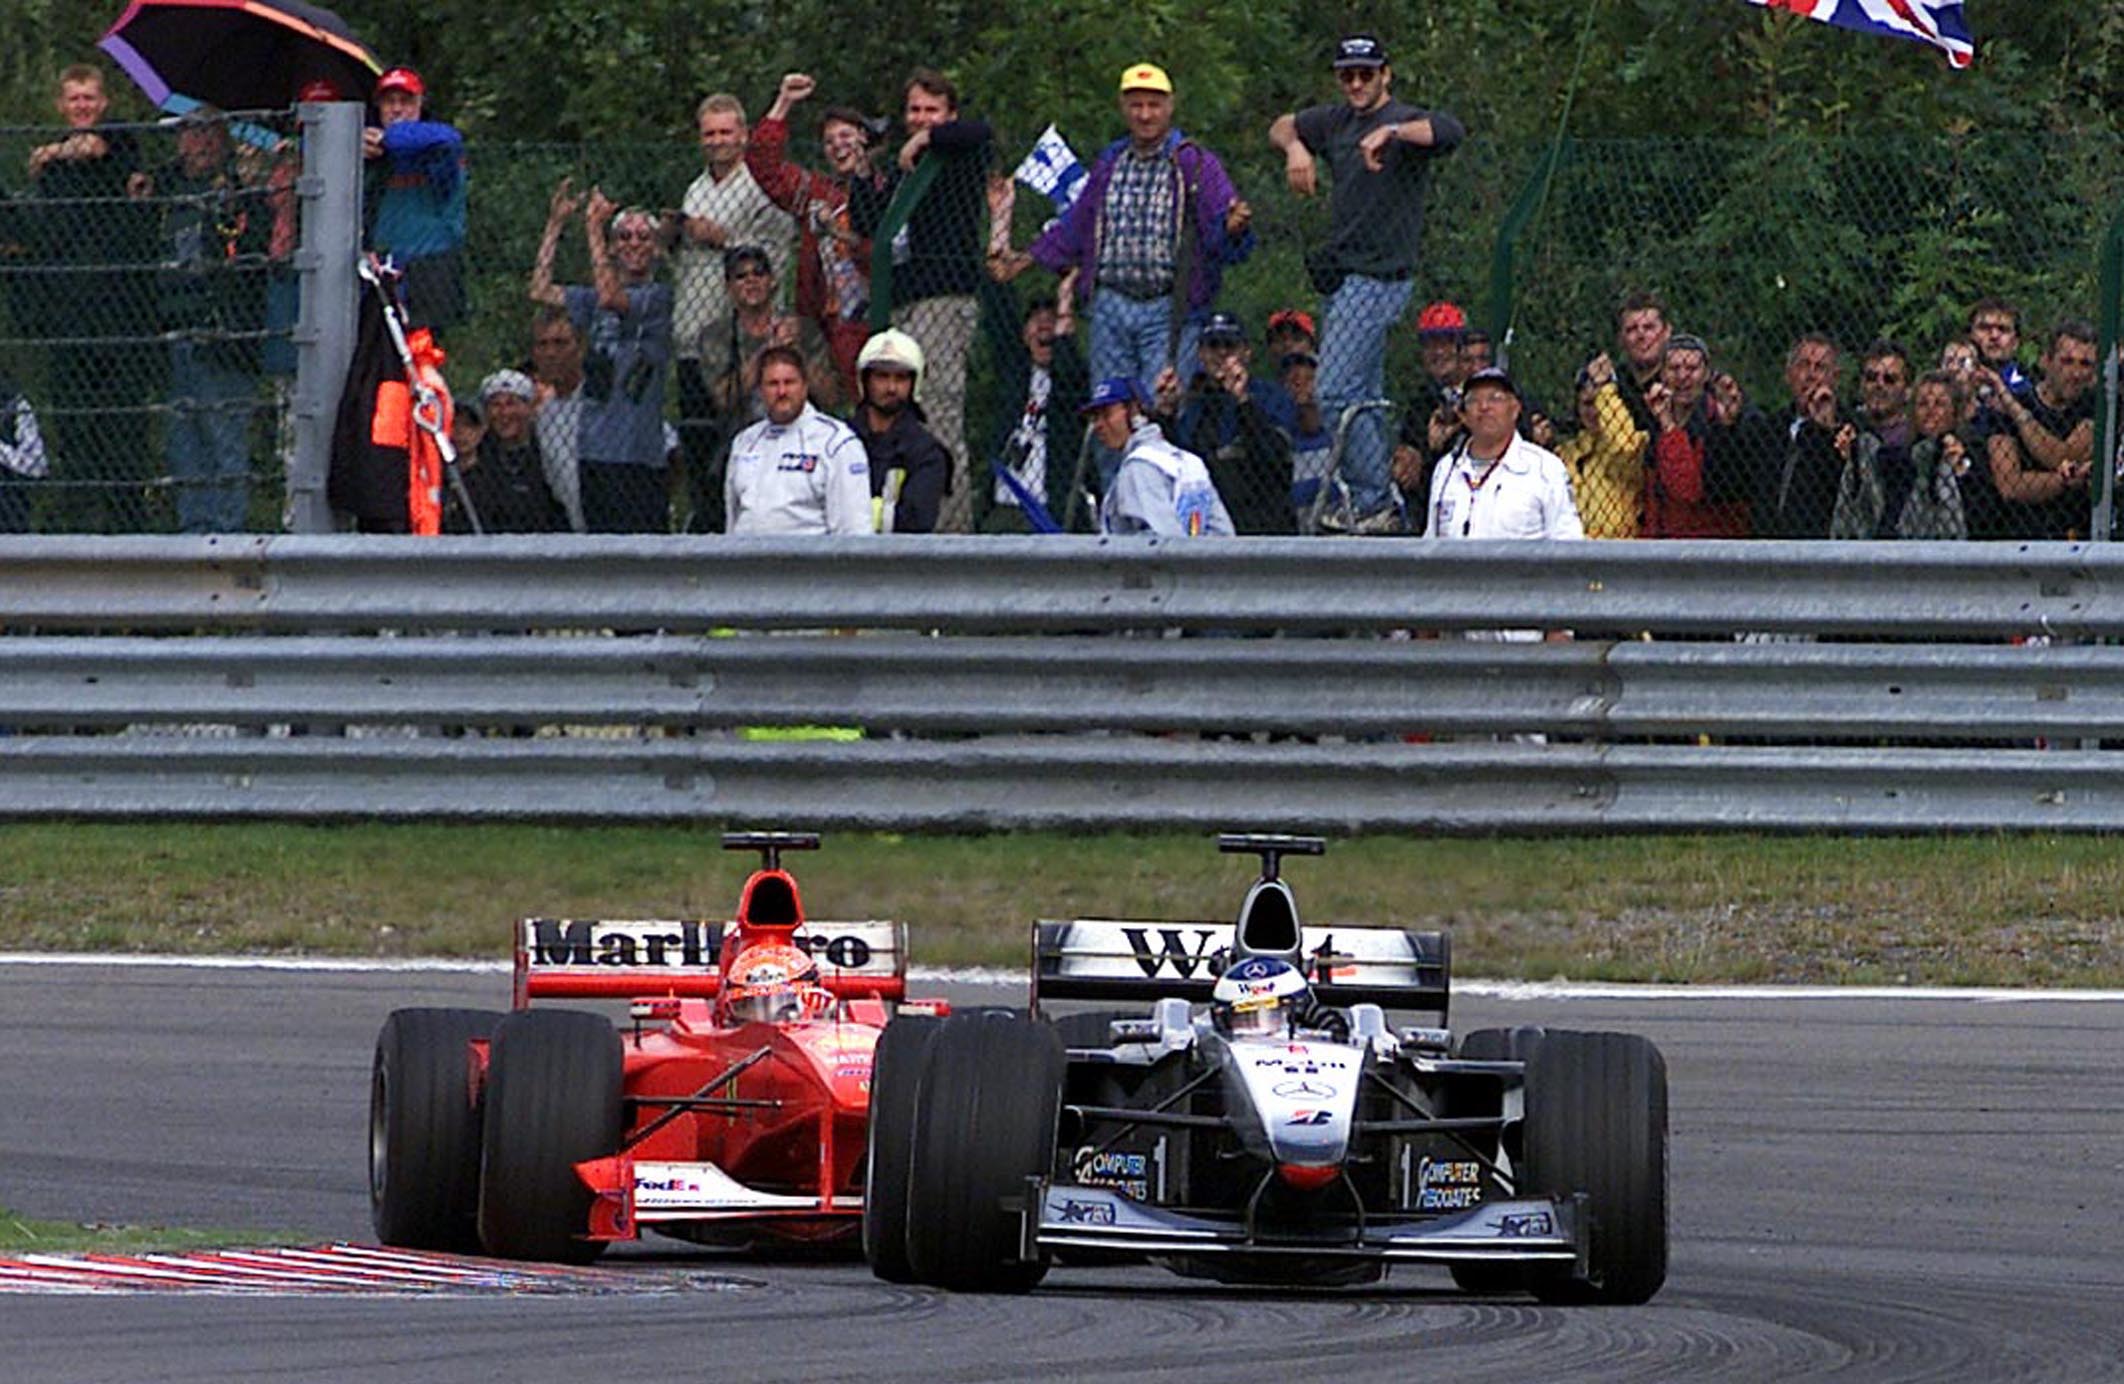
{"x":1862,"y":1189}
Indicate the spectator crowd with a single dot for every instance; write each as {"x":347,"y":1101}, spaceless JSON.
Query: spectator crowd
{"x":726,"y":366}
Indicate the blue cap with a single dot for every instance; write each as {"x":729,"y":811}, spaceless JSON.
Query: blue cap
{"x":1114,"y":389}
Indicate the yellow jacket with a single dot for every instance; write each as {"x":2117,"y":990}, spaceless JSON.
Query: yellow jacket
{"x":1607,"y":466}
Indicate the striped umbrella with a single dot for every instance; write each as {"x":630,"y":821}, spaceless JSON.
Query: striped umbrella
{"x":238,"y":54}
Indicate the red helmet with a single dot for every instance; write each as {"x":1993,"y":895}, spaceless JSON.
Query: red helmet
{"x":1441,"y":319}
{"x":769,"y":983}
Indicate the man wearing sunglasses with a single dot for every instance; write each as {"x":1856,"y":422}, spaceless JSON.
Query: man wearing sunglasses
{"x":1379,"y":152}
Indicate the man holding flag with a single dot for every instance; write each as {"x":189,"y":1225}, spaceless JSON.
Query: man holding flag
{"x":1150,"y":228}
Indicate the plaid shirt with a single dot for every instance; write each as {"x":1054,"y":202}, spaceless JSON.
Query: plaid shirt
{"x":1137,"y":241}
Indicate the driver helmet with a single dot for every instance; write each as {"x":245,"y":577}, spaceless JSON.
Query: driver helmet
{"x":1259,"y":997}
{"x":773,"y":983}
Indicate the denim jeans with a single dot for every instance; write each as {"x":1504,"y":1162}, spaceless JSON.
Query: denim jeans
{"x":1129,"y":337}
{"x":1353,"y":338}
{"x":209,"y":441}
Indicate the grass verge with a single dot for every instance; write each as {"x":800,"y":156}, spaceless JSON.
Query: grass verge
{"x":19,"y":1235}
{"x":2003,"y":910}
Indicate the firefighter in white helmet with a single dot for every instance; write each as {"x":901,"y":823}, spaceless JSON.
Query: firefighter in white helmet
{"x":909,"y":468}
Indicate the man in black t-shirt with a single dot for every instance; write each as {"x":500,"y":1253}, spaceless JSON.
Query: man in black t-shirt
{"x":1379,"y":152}
{"x":2043,"y":454}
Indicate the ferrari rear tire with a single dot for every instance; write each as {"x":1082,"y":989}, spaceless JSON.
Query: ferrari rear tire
{"x":424,"y":1127}
{"x":1596,"y":1107}
{"x":987,"y":1104}
{"x":895,"y":1077}
{"x":1495,"y":1278}
{"x":553,"y":1100}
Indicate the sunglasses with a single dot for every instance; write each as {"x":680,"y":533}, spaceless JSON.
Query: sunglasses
{"x":1355,"y":76}
{"x":1882,"y":376}
{"x":634,"y":235}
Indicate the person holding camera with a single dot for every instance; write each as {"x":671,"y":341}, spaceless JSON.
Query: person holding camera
{"x":625,"y":320}
{"x":1379,"y":153}
{"x":1240,"y":426}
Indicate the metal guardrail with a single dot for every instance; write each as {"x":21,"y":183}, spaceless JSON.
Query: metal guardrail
{"x":1957,"y":590}
{"x":328,"y":678}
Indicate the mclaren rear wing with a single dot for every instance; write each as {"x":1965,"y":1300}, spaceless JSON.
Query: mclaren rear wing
{"x":1105,"y":959}
{"x":582,"y":958}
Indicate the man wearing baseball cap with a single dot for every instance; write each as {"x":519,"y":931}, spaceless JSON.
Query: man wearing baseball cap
{"x":1239,"y":425}
{"x":1495,"y":483}
{"x":1160,"y":489}
{"x":1379,"y":152}
{"x":417,"y":195}
{"x":1150,"y":235}
{"x":504,"y":473}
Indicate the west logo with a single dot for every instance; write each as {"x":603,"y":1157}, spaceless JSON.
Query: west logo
{"x":1172,"y":951}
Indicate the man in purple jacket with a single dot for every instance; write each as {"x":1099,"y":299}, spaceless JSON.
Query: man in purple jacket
{"x":1156,"y":207}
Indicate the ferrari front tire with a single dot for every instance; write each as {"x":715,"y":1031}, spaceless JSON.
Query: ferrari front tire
{"x":553,"y":1100}
{"x":1596,"y":1123}
{"x":424,"y":1129}
{"x":988,"y":1101}
{"x":895,"y":1077}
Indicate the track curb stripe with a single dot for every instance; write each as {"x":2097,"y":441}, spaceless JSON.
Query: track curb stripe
{"x":338,"y":1269}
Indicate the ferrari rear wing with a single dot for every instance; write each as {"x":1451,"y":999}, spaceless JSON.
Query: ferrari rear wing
{"x":1105,"y":959}
{"x":583,"y":958}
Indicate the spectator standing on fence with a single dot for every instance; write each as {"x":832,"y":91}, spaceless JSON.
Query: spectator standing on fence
{"x":1040,"y":383}
{"x":1379,"y":153}
{"x":1681,"y":499}
{"x":2042,"y":456}
{"x":1605,"y":458}
{"x":909,"y":468}
{"x":556,"y":370}
{"x":504,"y":472}
{"x":722,"y":209}
{"x":416,"y":198}
{"x":1160,"y":489}
{"x":1795,"y":491}
{"x":1150,"y":235}
{"x":937,"y":254}
{"x":217,"y":229}
{"x":625,"y":320}
{"x":833,"y":262}
{"x":1240,"y":426}
{"x":796,"y":471}
{"x":94,"y":303}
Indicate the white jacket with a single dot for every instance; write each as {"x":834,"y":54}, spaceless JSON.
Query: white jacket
{"x":809,"y":476}
{"x":1163,"y":489}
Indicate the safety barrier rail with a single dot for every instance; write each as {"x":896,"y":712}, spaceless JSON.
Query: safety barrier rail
{"x":1005,"y":683}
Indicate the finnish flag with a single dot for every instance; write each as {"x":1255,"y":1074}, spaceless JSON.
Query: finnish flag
{"x":1052,"y":168}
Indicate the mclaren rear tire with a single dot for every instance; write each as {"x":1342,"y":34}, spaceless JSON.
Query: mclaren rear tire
{"x":895,"y":1077}
{"x":1597,"y":1124}
{"x":424,"y":1129}
{"x":987,"y":1103}
{"x":553,"y":1100}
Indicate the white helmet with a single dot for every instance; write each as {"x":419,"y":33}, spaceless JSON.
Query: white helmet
{"x":895,"y":349}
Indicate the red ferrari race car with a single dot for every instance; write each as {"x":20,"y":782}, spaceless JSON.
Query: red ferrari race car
{"x":731,"y":1109}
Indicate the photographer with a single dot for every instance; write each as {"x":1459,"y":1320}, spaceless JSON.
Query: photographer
{"x":1241,"y":427}
{"x":625,"y":320}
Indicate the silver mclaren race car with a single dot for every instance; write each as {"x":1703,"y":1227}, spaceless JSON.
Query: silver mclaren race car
{"x":1263,"y":1114}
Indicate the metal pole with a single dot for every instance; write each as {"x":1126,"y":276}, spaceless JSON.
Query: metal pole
{"x":330,"y":192}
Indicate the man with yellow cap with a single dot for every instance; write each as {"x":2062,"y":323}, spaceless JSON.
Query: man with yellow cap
{"x":1156,"y":224}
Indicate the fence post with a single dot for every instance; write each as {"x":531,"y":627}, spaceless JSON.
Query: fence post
{"x":330,"y":192}
{"x":2105,"y":472}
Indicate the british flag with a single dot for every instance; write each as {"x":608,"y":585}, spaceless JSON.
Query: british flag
{"x":1937,"y":22}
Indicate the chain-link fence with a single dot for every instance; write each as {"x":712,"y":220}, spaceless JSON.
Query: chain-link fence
{"x":1695,"y":327}
{"x":146,"y":299}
